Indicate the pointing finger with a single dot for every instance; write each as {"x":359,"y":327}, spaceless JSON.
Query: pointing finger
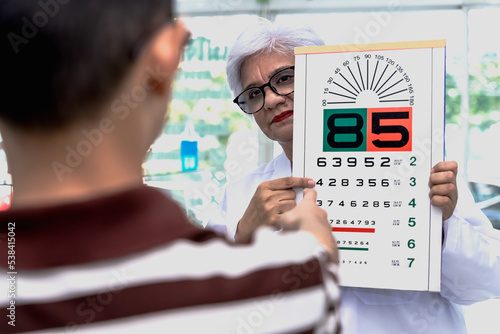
{"x":310,"y":195}
{"x":291,"y":182}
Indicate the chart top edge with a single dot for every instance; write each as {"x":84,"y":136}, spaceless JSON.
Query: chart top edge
{"x":303,"y":50}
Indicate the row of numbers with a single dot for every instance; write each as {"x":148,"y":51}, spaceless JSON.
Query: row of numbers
{"x":365,"y":204}
{"x":352,"y":243}
{"x":362,"y":182}
{"x":344,"y":262}
{"x":358,"y":182}
{"x":366,"y":222}
{"x":366,"y":162}
{"x":352,"y":222}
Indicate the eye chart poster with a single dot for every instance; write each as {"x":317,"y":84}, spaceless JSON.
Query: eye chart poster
{"x":368,"y":128}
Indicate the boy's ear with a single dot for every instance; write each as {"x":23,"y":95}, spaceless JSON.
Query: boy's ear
{"x":165,"y":53}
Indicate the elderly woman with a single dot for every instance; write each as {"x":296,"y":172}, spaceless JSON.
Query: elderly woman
{"x":260,"y":72}
{"x":260,"y":69}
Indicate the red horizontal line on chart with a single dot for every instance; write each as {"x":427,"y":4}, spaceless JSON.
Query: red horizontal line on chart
{"x":353,"y":229}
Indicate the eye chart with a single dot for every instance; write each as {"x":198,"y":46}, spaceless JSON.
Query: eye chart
{"x":368,"y":128}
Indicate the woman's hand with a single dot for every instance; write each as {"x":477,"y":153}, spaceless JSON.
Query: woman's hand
{"x":443,"y":184}
{"x":271,"y":199}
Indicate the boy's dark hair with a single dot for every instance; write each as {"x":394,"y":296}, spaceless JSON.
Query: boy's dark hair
{"x":62,"y":58}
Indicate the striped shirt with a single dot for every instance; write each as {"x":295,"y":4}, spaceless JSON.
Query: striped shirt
{"x":132,"y":263}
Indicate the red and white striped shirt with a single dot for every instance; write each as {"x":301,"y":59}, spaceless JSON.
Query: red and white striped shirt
{"x":132,"y":263}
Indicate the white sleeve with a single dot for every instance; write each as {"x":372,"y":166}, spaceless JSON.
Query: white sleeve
{"x":218,"y":220}
{"x":471,"y":254}
{"x":236,"y":198}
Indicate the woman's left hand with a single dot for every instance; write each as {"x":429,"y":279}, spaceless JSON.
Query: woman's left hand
{"x":443,"y":185}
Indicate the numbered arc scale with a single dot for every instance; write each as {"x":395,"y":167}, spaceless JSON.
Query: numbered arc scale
{"x":368,"y":127}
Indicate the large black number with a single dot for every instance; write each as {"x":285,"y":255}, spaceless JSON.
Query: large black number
{"x":378,"y":129}
{"x":334,"y":129}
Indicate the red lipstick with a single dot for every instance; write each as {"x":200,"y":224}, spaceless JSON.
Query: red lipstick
{"x":282,"y":116}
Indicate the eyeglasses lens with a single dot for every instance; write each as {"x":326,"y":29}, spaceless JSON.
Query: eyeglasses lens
{"x":252,"y":99}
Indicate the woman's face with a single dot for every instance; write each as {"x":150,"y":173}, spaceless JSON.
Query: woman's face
{"x":275,"y":119}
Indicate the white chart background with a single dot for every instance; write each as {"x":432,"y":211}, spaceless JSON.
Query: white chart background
{"x":382,"y":257}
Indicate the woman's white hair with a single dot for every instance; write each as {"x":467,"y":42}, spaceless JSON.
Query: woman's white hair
{"x":266,"y":37}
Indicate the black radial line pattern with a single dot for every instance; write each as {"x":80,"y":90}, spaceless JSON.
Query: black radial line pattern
{"x":344,"y":96}
{"x":374,"y":74}
{"x":399,"y":91}
{"x":349,"y":83}
{"x":356,"y":81}
{"x":341,"y":102}
{"x":386,"y":81}
{"x":354,"y":94}
{"x":349,"y":97}
{"x":367,"y":72}
{"x":361,"y":76}
{"x":385,"y":90}
{"x":383,"y":72}
{"x":345,"y":88}
{"x":395,"y":100}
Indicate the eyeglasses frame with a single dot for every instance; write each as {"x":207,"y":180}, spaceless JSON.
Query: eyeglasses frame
{"x":261,"y":88}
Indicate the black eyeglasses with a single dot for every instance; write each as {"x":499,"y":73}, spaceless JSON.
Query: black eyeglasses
{"x":252,"y":100}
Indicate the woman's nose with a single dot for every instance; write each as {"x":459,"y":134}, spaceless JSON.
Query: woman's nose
{"x":272,"y":99}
